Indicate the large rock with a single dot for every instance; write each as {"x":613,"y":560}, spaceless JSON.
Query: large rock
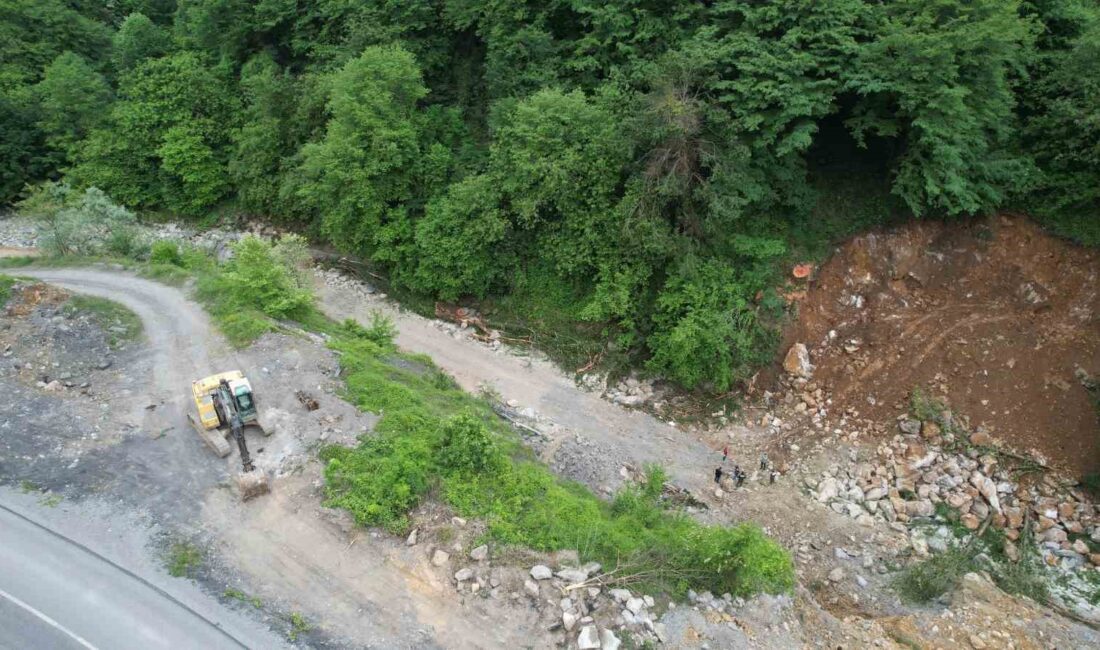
{"x":440,"y":557}
{"x":608,"y":640}
{"x":573,"y":576}
{"x":589,"y":638}
{"x":541,"y":572}
{"x":797,"y":361}
{"x":462,"y":575}
{"x":827,"y":490}
{"x":480,"y":554}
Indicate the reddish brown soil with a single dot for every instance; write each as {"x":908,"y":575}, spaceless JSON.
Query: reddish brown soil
{"x":997,"y":318}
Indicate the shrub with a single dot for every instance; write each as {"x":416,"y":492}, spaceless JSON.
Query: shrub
{"x":75,"y":223}
{"x":433,"y":436}
{"x":467,"y":446}
{"x":165,"y":251}
{"x":257,"y":278}
{"x":706,"y":329}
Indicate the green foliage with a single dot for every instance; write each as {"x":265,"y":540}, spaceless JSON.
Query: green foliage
{"x":166,"y":139}
{"x":631,"y":156}
{"x":183,"y":559}
{"x":79,"y":223}
{"x":932,"y":578}
{"x":6,"y":283}
{"x":467,"y":446}
{"x":165,"y":251}
{"x":940,"y":73}
{"x":137,"y":40}
{"x":73,"y":99}
{"x":258,"y":284}
{"x":361,"y":173}
{"x":240,"y":596}
{"x":257,"y":278}
{"x":120,"y":324}
{"x":706,"y":328}
{"x":433,"y":436}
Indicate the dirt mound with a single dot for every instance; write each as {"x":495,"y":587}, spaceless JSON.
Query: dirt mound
{"x":996,"y":318}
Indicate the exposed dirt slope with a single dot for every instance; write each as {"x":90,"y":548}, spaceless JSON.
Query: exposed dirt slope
{"x":997,"y":317}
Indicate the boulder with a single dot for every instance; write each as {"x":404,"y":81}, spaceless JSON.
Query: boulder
{"x":480,"y":554}
{"x":589,"y":638}
{"x":440,"y":557}
{"x":568,"y":620}
{"x":541,"y":572}
{"x":909,"y":426}
{"x":608,"y":640}
{"x":827,"y":489}
{"x":462,"y":575}
{"x":797,"y":361}
{"x":620,"y":595}
{"x":531,"y":587}
{"x":635,"y":605}
{"x":836,"y":575}
{"x":572,"y":576}
{"x":411,"y":539}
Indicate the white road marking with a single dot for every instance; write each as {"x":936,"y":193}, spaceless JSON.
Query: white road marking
{"x":46,"y":619}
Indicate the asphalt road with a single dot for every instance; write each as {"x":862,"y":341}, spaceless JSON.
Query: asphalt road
{"x":57,"y":594}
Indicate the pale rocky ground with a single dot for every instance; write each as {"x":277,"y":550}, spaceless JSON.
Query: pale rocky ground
{"x":364,"y":588}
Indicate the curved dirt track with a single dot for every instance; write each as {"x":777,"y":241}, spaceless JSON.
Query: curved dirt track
{"x":288,"y":550}
{"x":539,"y":384}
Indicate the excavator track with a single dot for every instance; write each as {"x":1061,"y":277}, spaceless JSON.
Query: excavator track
{"x":212,"y":438}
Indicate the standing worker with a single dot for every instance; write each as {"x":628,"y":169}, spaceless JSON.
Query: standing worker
{"x":718,"y":475}
{"x":763,"y":461}
{"x":725,"y":453}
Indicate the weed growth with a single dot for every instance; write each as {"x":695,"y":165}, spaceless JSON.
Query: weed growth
{"x":240,"y":596}
{"x":298,"y":626}
{"x":120,"y":324}
{"x":184,"y":558}
{"x":6,"y":283}
{"x":435,"y":436}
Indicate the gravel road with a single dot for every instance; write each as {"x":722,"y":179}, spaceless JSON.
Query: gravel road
{"x":615,"y":434}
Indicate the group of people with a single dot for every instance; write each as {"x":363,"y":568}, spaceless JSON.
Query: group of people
{"x":738,"y":475}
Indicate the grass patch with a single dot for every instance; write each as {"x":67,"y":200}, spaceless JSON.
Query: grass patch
{"x":240,"y":596}
{"x":434,"y":438}
{"x":51,"y":500}
{"x":6,"y":283}
{"x":932,"y":578}
{"x":184,"y":558}
{"x":119,"y":323}
{"x":298,"y":626}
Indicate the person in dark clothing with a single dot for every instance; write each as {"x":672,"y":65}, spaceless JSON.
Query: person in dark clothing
{"x":774,"y":476}
{"x":763,"y":462}
{"x":718,"y":475}
{"x":740,"y":478}
{"x":736,"y":471}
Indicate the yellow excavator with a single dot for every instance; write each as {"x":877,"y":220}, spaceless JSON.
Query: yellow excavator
{"x":225,"y":406}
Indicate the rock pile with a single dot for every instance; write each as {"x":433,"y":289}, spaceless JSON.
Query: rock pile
{"x":632,"y":391}
{"x":912,"y":479}
{"x":574,"y":598}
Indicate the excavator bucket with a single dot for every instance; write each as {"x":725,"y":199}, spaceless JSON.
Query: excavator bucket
{"x":252,"y":484}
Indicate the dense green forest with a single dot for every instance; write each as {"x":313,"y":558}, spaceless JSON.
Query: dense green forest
{"x":640,"y":165}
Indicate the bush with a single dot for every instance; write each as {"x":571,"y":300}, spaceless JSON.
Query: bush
{"x":706,"y":328}
{"x":467,"y":446}
{"x":75,"y":223}
{"x":478,"y":467}
{"x":165,"y":251}
{"x":257,"y":278}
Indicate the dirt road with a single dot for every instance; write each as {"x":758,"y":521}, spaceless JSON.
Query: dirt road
{"x":617,"y":434}
{"x":284,"y":548}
